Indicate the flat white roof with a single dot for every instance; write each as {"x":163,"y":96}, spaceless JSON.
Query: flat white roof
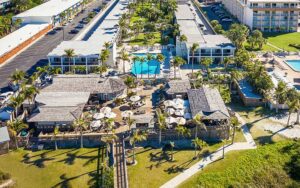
{"x":106,"y":32}
{"x":50,"y":8}
{"x":19,"y":36}
{"x":190,"y":25}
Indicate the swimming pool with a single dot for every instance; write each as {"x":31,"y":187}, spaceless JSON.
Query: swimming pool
{"x":294,"y":64}
{"x":152,"y":66}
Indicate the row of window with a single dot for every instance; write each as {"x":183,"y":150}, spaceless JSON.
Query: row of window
{"x":273,"y":5}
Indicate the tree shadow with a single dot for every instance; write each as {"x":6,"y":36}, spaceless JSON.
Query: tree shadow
{"x":65,"y":181}
{"x":40,"y":162}
{"x":70,"y":158}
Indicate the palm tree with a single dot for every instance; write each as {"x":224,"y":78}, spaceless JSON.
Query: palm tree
{"x":234,"y":76}
{"x":227,"y":61}
{"x":137,"y":136}
{"x":130,"y":122}
{"x":177,"y":62}
{"x":81,"y":125}
{"x":160,"y":58}
{"x":238,"y":34}
{"x":198,"y":144}
{"x":149,"y":58}
{"x":17,"y":77}
{"x":197,"y":120}
{"x":234,"y":124}
{"x":142,"y":61}
{"x":206,"y":62}
{"x":125,"y":57}
{"x":172,"y":145}
{"x":193,"y":49}
{"x":102,"y":69}
{"x":69,"y":53}
{"x":16,"y":102}
{"x":15,"y":127}
{"x":280,"y":93}
{"x":161,"y":119}
{"x":183,"y":131}
{"x":182,"y":39}
{"x":135,"y":59}
{"x":55,"y":133}
{"x":107,"y":45}
{"x":29,"y":93}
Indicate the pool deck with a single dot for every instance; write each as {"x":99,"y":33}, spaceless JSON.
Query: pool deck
{"x":282,"y":68}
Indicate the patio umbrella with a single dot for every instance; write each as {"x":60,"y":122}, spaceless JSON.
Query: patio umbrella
{"x":169,"y":103}
{"x":178,"y":101}
{"x":105,"y":110}
{"x":179,"y":112}
{"x":180,"y":121}
{"x":128,"y":48}
{"x":188,"y":116}
{"x":170,"y":120}
{"x":127,"y":113}
{"x":98,"y":116}
{"x":135,"y":98}
{"x":170,"y":111}
{"x":111,"y":115}
{"x":96,"y":124}
{"x":178,"y":106}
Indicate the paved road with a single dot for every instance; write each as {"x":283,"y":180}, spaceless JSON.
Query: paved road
{"x":36,"y":54}
{"x":249,"y":144}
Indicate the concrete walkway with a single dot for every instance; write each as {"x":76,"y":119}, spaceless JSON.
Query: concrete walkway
{"x":7,"y":183}
{"x":249,"y":144}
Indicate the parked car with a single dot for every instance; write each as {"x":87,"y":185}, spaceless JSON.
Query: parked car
{"x":74,"y":31}
{"x":80,"y":26}
{"x":52,"y":32}
{"x":59,"y":28}
{"x":65,"y":24}
{"x":4,"y":97}
{"x":226,"y":20}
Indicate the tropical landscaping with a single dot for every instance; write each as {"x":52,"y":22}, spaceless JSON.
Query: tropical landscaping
{"x":149,"y":23}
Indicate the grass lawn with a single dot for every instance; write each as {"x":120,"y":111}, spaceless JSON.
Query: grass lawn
{"x":263,"y":167}
{"x":153,"y":170}
{"x":140,"y":39}
{"x":257,"y":117}
{"x":48,"y":168}
{"x":265,"y":48}
{"x":282,"y":40}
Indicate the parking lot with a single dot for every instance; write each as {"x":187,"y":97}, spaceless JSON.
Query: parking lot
{"x":36,"y":54}
{"x":217,"y":12}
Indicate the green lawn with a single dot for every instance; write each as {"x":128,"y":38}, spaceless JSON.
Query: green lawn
{"x":153,"y":170}
{"x":282,"y":40}
{"x":140,"y":39}
{"x":265,"y":48}
{"x":48,"y":168}
{"x":257,"y":117}
{"x":263,"y":167}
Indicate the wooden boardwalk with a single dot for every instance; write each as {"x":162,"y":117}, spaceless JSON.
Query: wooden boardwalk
{"x":121,"y":179}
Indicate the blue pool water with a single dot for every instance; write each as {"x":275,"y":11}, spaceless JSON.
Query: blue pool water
{"x":294,"y":64}
{"x":152,"y":66}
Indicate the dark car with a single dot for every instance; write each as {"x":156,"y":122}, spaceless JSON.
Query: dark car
{"x":79,"y":26}
{"x":52,"y":32}
{"x":74,"y":31}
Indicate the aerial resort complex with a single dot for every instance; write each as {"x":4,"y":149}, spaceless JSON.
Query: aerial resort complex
{"x":154,"y":94}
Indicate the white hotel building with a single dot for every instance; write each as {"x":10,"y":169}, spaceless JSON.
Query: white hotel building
{"x":266,"y":15}
{"x":196,"y":29}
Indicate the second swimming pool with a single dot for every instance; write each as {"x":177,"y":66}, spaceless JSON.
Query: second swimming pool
{"x":294,"y":64}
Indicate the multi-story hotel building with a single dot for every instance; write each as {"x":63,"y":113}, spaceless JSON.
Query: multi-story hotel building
{"x":266,"y":15}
